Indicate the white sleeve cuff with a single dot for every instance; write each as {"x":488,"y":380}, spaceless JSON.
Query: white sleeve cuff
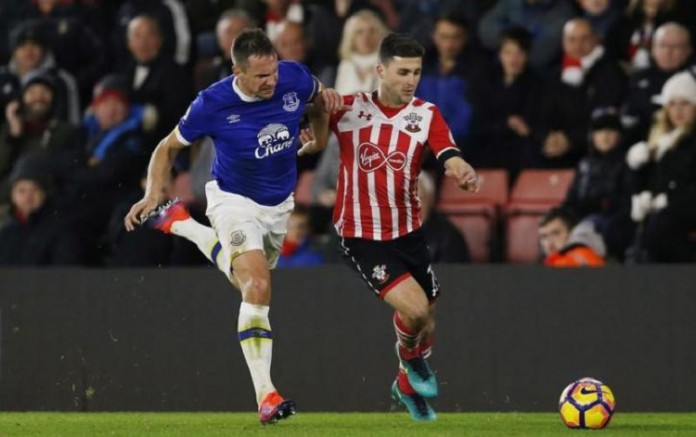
{"x":180,"y":138}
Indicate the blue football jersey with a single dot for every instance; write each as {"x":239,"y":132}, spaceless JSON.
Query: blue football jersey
{"x":255,"y":140}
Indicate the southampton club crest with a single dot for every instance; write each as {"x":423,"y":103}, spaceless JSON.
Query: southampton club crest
{"x":379,"y":273}
{"x":291,"y":102}
{"x":237,"y":238}
{"x":413,"y":121}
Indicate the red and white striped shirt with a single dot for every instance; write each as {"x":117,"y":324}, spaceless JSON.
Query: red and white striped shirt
{"x":381,"y":153}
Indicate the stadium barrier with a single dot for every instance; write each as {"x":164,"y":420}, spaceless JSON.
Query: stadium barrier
{"x":509,"y":338}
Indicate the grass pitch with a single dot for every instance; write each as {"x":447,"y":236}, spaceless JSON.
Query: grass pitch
{"x":330,"y":424}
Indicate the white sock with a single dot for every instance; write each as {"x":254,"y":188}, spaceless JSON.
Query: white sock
{"x":206,"y":239}
{"x":256,"y":338}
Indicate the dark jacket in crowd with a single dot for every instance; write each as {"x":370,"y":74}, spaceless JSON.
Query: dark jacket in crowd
{"x":76,"y":49}
{"x":168,"y":88}
{"x":496,"y":145}
{"x":568,"y":108}
{"x":640,"y":104}
{"x":665,"y":233}
{"x":601,"y":185}
{"x":445,"y":243}
{"x":45,"y":238}
{"x":454,"y":92}
{"x":144,"y":247}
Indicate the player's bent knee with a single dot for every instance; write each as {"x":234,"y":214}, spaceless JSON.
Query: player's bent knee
{"x":257,"y":291}
{"x":415,"y":317}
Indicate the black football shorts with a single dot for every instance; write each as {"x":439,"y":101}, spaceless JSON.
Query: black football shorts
{"x":383,"y":264}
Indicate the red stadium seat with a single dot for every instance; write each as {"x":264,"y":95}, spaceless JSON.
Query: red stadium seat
{"x":493,"y":187}
{"x":476,"y":214}
{"x":534,"y":194}
{"x":303,"y":192}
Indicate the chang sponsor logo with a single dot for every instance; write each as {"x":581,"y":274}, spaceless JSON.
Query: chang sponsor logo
{"x":272,"y":139}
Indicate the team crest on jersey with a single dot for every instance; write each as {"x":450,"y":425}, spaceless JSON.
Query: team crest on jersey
{"x":413,"y":121}
{"x":379,"y":273}
{"x":237,"y":238}
{"x":371,"y":158}
{"x":291,"y":102}
{"x":273,"y":138}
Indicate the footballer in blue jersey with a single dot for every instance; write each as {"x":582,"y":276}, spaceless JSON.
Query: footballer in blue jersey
{"x":255,"y":139}
{"x":253,"y":119}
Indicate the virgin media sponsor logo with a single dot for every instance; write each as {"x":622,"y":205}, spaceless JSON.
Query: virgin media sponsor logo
{"x":371,"y":158}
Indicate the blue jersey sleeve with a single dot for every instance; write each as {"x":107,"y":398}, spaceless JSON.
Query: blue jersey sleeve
{"x":193,"y":125}
{"x":308,"y":85}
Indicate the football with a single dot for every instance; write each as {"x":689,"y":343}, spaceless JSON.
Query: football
{"x":586,"y":404}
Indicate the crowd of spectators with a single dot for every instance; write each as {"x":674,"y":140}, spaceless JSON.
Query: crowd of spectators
{"x":605,"y":87}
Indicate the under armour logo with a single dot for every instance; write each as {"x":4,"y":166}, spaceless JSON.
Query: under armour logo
{"x":365,"y":115}
{"x":372,"y":158}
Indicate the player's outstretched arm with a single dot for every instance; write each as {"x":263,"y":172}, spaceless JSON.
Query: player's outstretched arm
{"x":157,"y":174}
{"x":463,"y":173}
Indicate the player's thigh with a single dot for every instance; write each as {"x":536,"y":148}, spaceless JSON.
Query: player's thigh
{"x":415,"y":254}
{"x":376,"y":262}
{"x":275,"y":225}
{"x":235,"y":220}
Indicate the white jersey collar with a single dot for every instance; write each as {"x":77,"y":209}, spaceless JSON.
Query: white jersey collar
{"x":240,"y":93}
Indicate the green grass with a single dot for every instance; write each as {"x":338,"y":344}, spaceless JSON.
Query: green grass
{"x":330,"y":424}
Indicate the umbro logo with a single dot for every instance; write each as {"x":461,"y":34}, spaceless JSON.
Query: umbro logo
{"x":232,"y":118}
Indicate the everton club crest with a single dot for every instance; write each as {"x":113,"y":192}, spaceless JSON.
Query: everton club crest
{"x":291,"y":102}
{"x":413,"y":121}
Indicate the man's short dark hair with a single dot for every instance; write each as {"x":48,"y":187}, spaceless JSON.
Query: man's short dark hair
{"x":251,"y":42}
{"x":399,"y":44}
{"x":517,"y":35}
{"x":561,"y":214}
{"x":454,"y":17}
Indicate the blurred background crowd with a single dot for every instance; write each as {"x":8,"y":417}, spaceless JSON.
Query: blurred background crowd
{"x":579,"y":113}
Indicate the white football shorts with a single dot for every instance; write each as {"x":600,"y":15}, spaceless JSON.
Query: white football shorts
{"x":243,"y":225}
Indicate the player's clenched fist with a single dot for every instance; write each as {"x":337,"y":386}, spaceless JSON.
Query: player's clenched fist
{"x":462,"y":173}
{"x":332,"y":101}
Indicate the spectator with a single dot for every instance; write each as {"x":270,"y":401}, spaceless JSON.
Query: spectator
{"x":36,"y":234}
{"x":327,"y":21}
{"x":565,"y":243}
{"x":601,"y":188}
{"x":586,"y":80}
{"x":445,"y":242}
{"x":298,"y":250}
{"x":362,"y":34}
{"x":418,"y":17}
{"x":172,"y":24}
{"x":155,"y":79}
{"x":451,"y":73}
{"x":602,"y":15}
{"x":544,"y":19}
{"x":664,"y":169}
{"x":113,"y":160}
{"x":631,"y":40}
{"x":32,"y":127}
{"x":76,"y":47}
{"x":507,"y":109}
{"x":31,"y":54}
{"x":231,"y":23}
{"x":324,"y":188}
{"x":671,"y":50}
